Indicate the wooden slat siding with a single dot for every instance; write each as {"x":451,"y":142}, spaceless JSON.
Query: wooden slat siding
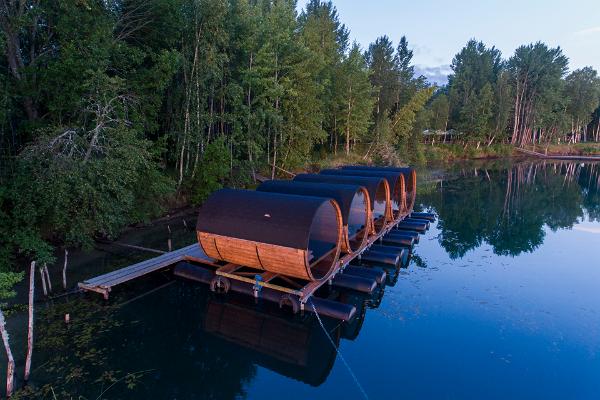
{"x":280,"y":259}
{"x":136,"y":270}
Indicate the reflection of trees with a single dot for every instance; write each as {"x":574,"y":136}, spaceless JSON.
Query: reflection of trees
{"x":508,"y":207}
{"x":154,"y":347}
{"x":589,"y":180}
{"x":179,"y":342}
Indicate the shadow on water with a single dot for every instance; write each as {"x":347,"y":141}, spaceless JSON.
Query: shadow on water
{"x":179,"y":342}
{"x":165,"y":338}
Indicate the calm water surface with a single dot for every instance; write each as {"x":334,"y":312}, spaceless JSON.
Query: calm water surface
{"x":500,"y":300}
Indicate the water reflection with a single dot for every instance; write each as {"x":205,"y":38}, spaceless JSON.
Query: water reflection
{"x":510,"y":208}
{"x":180,"y":342}
{"x":183,"y":342}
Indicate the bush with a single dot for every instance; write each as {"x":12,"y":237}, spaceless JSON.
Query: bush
{"x":213,"y":171}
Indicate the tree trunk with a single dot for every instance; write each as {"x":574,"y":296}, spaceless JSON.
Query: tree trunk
{"x":30,"y":323}
{"x":348,"y":121}
{"x":43,"y":277}
{"x":10,"y":369}
{"x":64,"y":271}
{"x":48,"y":278}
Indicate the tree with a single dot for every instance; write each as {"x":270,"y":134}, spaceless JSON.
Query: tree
{"x":582,"y":88}
{"x":403,"y":122}
{"x":537,"y":73}
{"x":324,"y":35}
{"x":503,"y":95}
{"x":475,"y":72}
{"x":381,"y":61}
{"x":354,"y":115}
{"x":439,"y":112}
{"x":406,"y":71}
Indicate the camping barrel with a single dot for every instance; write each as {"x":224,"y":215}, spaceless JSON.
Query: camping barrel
{"x":410,"y":179}
{"x":395,"y":181}
{"x":295,"y":236}
{"x":353,"y":200}
{"x":378,"y":188}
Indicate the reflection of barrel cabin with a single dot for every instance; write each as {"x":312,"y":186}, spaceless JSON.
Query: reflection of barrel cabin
{"x":410,"y":179}
{"x":395,"y":180}
{"x":378,"y":189}
{"x":353,"y":200}
{"x":292,"y":347}
{"x":296,"y":236}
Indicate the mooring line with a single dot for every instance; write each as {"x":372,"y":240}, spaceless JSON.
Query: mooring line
{"x":339,"y":353}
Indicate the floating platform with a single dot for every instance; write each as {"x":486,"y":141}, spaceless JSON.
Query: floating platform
{"x":289,"y":246}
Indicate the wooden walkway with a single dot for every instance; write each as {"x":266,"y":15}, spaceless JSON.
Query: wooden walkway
{"x":557,"y":156}
{"x":104,"y":283}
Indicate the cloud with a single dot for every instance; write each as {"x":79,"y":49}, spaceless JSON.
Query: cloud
{"x":584,"y":228}
{"x":589,"y":31}
{"x":420,"y":50}
{"x":438,"y":74}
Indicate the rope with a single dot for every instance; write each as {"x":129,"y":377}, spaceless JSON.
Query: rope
{"x":339,"y":353}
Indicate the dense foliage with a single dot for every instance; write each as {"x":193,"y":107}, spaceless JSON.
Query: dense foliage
{"x":114,"y":109}
{"x":528,"y":98}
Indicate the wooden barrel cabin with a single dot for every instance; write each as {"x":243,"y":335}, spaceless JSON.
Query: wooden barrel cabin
{"x":353,"y":200}
{"x":410,"y":180}
{"x":291,"y":235}
{"x":395,"y":180}
{"x":377,"y":187}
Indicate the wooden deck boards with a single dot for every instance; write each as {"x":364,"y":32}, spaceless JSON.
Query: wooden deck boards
{"x":103,"y":283}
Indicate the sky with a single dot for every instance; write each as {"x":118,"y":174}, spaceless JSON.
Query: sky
{"x":437,"y":30}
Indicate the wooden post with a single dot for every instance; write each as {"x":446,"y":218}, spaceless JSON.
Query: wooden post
{"x":43,"y":281}
{"x":10,"y":369}
{"x":169,"y":243}
{"x":65,"y":270}
{"x":48,"y":278}
{"x":30,"y":324}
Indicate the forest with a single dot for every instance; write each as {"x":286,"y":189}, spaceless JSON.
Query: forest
{"x":113,"y":111}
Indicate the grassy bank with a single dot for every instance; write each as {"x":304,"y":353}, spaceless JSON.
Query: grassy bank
{"x":577,"y":149}
{"x":452,"y":152}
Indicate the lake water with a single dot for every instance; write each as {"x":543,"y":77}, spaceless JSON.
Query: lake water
{"x":501,"y":299}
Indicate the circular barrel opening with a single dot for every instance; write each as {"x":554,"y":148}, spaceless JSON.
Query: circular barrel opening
{"x":410,"y":180}
{"x":395,"y":181}
{"x":358,"y":220}
{"x":410,"y":177}
{"x":380,"y":203}
{"x":323,"y":240}
{"x":398,"y":194}
{"x":353,"y":200}
{"x":376,"y":186}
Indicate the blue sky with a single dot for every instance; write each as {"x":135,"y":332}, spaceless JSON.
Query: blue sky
{"x":437,"y":30}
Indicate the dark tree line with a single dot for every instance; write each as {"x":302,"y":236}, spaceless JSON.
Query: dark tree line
{"x":113,"y":110}
{"x":528,"y":98}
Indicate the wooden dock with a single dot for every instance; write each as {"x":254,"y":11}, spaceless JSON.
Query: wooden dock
{"x":104,"y":283}
{"x":557,"y":156}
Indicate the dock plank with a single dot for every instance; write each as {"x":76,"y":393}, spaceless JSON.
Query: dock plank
{"x":104,"y":283}
{"x":139,"y":266}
